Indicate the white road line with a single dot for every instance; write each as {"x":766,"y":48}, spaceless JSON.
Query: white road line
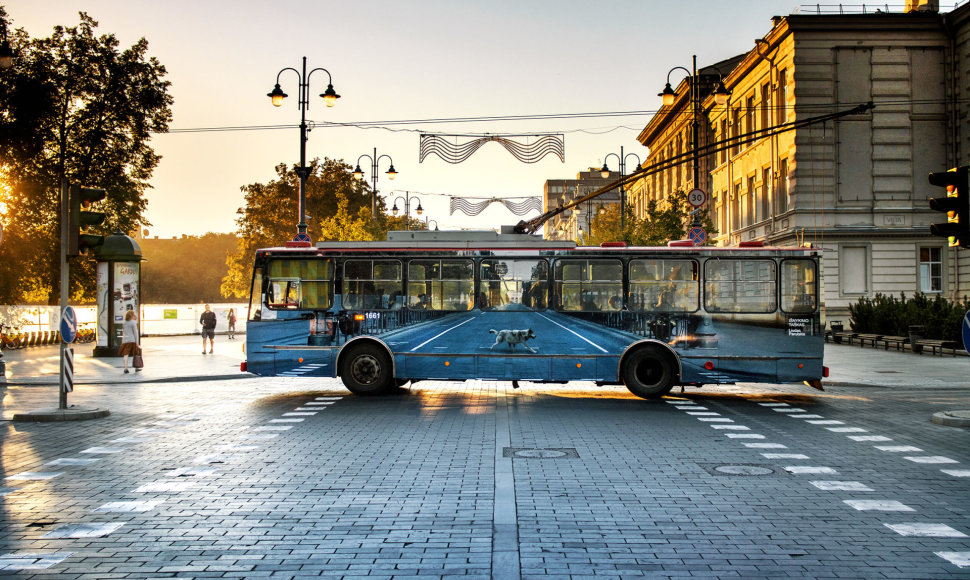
{"x":92,"y":530}
{"x":11,"y":562}
{"x":878,"y":505}
{"x":802,"y":469}
{"x":34,"y":475}
{"x":931,"y":459}
{"x":444,"y":332}
{"x":958,"y":559}
{"x":898,"y":448}
{"x":957,"y":472}
{"x":164,"y":487}
{"x":788,"y":410}
{"x":766,"y":446}
{"x":784,"y":456}
{"x":847,"y":430}
{"x":869,"y":438}
{"x":744,"y":436}
{"x":841,"y":485}
{"x":732,"y":427}
{"x":926,"y":530}
{"x":826,"y":422}
{"x":574,"y":333}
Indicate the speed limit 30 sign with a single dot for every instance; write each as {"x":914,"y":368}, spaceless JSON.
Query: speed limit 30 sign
{"x":696,"y":197}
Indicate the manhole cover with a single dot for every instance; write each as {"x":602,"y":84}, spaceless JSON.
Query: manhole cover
{"x":744,"y":469}
{"x":532,"y":453}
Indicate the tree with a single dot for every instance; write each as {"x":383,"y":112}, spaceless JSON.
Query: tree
{"x":338,"y":208}
{"x":74,"y":107}
{"x":664,"y":221}
{"x":185,"y":270}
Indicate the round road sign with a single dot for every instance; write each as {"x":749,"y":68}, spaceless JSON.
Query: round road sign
{"x":68,"y":325}
{"x":696,"y":197}
{"x":697,"y":235}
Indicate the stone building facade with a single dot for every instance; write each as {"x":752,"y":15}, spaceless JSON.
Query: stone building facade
{"x":856,"y":186}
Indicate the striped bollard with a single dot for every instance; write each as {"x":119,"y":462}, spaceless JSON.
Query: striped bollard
{"x":67,"y":371}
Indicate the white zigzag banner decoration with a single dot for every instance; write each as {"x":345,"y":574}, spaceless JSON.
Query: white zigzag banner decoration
{"x":517,"y":207}
{"x":434,"y":144}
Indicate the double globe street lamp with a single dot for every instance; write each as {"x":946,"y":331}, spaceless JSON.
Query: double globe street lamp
{"x":303,"y":102}
{"x":721,"y":95}
{"x":605,"y":174}
{"x":359,"y":174}
{"x":407,"y":208}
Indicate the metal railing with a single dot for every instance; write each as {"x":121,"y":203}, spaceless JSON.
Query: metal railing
{"x":868,"y":8}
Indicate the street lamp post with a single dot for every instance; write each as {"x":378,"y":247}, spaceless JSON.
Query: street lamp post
{"x":303,"y":102}
{"x":359,"y":174}
{"x":721,"y":95}
{"x":605,"y":173}
{"x":427,"y":224}
{"x":407,"y":208}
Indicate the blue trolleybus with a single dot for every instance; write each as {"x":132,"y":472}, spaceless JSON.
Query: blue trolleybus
{"x":482,"y":305}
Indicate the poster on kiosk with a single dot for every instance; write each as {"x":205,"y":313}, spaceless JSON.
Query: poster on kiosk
{"x":119,"y":289}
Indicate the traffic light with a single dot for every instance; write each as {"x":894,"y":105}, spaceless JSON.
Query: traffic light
{"x":79,"y":219}
{"x":956,"y":204}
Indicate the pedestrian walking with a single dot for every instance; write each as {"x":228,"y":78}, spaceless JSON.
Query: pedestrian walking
{"x":208,"y":321}
{"x":231,"y":319}
{"x":130,"y":340}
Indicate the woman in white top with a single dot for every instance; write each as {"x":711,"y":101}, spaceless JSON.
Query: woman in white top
{"x":129,"y":338}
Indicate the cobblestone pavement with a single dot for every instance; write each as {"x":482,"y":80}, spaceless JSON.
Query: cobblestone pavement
{"x":289,"y":478}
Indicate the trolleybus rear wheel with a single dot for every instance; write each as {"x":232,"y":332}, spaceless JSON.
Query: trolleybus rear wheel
{"x":649,"y":373}
{"x":366,"y":370}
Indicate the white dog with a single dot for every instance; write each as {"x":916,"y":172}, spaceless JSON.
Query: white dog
{"x":513,"y":337}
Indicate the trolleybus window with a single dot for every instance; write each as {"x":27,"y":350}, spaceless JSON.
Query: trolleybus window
{"x":513,"y":284}
{"x":663,"y":285}
{"x":740,"y":286}
{"x":256,"y":295}
{"x":799,"y":291}
{"x":441,"y":284}
{"x":589,"y":285}
{"x":372,"y":284}
{"x":299,"y":284}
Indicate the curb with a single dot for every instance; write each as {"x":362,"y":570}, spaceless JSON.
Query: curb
{"x":952,"y":418}
{"x":28,"y":382}
{"x":54,"y":415}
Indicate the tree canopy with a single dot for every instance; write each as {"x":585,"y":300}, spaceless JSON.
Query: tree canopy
{"x":74,"y":107}
{"x":664,"y":221}
{"x":337,"y":207}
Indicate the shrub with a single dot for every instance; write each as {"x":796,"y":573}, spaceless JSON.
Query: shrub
{"x":885,"y":314}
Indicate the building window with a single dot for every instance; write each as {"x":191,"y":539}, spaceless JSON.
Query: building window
{"x":764,"y":204}
{"x":725,"y":202}
{"x":736,"y":131}
{"x":781,"y":188}
{"x":854,"y":270}
{"x":782,"y":101}
{"x":765,"y":106}
{"x":749,"y":115}
{"x":747,"y":206}
{"x":736,"y":207}
{"x":930,"y":270}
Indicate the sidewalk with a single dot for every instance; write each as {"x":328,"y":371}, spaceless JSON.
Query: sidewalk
{"x":167,"y":359}
{"x":180,"y":358}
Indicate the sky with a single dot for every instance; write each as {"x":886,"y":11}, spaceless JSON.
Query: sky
{"x":392,"y":61}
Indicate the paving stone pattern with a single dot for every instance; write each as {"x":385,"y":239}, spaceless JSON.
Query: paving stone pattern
{"x":287,"y":478}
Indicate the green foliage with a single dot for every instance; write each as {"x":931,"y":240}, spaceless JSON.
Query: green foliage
{"x":185,"y":270}
{"x":76,"y":107}
{"x":338,"y":208}
{"x":888,"y":315}
{"x":662,"y":223}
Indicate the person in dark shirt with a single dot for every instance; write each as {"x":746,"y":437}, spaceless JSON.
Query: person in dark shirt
{"x":208,"y":321}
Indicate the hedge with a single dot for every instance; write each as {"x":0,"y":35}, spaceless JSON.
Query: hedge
{"x":888,"y":315}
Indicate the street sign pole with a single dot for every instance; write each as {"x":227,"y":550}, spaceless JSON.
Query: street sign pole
{"x":65,"y":276}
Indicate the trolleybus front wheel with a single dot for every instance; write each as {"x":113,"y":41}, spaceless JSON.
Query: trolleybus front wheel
{"x":649,"y":373}
{"x":366,"y":370}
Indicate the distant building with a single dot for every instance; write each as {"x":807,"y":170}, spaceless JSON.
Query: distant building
{"x":857,"y":186}
{"x":570,"y":224}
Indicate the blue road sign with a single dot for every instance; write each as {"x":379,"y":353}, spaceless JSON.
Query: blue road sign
{"x":68,"y":325}
{"x":966,"y":331}
{"x":697,"y":235}
{"x":301,"y":238}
